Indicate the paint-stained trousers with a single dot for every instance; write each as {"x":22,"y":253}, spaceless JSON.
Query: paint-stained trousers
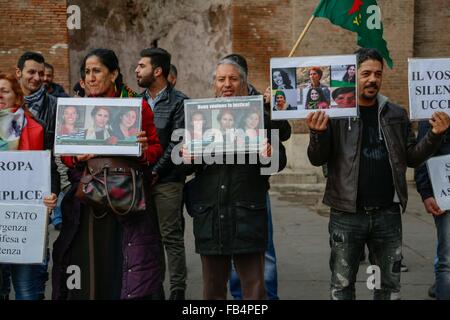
{"x":381,"y":230}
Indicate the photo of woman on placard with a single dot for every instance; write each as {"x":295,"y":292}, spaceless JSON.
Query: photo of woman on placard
{"x":315,"y":99}
{"x":350,"y":74}
{"x":197,"y":125}
{"x":101,"y":129}
{"x":280,"y":79}
{"x":68,"y":125}
{"x":125,"y":126}
{"x":226,"y":120}
{"x":280,"y":102}
{"x":250,"y":124}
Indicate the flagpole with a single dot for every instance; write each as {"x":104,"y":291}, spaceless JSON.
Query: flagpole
{"x":302,"y":35}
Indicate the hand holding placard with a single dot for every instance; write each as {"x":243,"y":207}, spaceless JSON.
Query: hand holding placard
{"x":440,"y":121}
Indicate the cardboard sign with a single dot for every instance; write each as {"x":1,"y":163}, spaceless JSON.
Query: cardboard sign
{"x":24,"y":176}
{"x":224,"y":125}
{"x":23,"y":232}
{"x":439,"y":172}
{"x":308,"y":84}
{"x":429,"y":87}
{"x":99,"y":126}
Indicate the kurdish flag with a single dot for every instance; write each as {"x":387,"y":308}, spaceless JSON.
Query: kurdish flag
{"x":360,"y":16}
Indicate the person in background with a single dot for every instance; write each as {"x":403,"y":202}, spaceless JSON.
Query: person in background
{"x":20,"y":130}
{"x":173,"y":74}
{"x":441,"y":217}
{"x":54,"y":89}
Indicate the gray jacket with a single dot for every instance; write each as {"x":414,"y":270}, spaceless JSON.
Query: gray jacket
{"x":340,"y":146}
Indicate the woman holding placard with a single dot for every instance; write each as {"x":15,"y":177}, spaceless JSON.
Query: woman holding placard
{"x":119,"y":255}
{"x":20,"y":131}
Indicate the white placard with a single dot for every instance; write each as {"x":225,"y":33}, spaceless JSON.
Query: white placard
{"x":23,"y":231}
{"x":308,"y":84}
{"x":439,"y":172}
{"x":429,"y":87}
{"x":24,"y":176}
{"x":99,"y":126}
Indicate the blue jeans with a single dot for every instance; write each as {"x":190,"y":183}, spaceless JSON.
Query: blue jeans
{"x":349,"y":233}
{"x":28,"y":280}
{"x":270,"y":266}
{"x":442,"y":267}
{"x":57,"y":215}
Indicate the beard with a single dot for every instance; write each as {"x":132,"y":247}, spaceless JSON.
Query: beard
{"x":146,"y":82}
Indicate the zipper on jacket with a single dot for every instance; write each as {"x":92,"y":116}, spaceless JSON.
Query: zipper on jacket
{"x":389,"y":155}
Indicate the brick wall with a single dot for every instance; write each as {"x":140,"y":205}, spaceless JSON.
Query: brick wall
{"x":35,"y":25}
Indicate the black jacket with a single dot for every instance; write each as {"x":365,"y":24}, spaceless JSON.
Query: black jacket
{"x":169,"y":116}
{"x":47,"y":118}
{"x":423,"y":182}
{"x":340,"y":148}
{"x":228,"y":205}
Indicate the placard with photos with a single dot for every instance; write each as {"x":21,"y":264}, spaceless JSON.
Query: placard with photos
{"x":224,"y":125}
{"x":99,"y":126}
{"x":308,"y":84}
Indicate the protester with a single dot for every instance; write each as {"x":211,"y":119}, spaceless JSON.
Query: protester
{"x":366,"y":186}
{"x":173,"y":75}
{"x":228,"y":205}
{"x":167,"y":195}
{"x":19,"y":130}
{"x":54,"y":89}
{"x":441,"y":217}
{"x":118,"y":255}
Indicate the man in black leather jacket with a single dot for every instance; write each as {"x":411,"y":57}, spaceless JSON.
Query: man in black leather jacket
{"x":366,"y":186}
{"x":167,"y":104}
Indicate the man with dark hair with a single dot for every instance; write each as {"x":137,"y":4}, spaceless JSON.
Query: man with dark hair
{"x":366,"y":186}
{"x":30,"y":74}
{"x":345,"y":97}
{"x":53,"y":88}
{"x":167,"y":192}
{"x":173,"y":74}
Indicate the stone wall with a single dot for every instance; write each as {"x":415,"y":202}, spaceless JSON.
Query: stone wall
{"x":196,"y":33}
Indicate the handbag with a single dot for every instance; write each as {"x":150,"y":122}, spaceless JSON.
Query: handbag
{"x":116,"y":184}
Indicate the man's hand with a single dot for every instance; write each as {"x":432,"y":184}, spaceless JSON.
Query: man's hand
{"x":266,"y":150}
{"x":84,"y":157}
{"x":267,"y":95}
{"x":155,"y":178}
{"x":317,"y":121}
{"x":143,"y":140}
{"x":432,"y":207}
{"x":440,"y":121}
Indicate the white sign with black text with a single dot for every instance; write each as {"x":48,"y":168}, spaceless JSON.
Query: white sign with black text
{"x":24,"y":182}
{"x":23,"y":231}
{"x":429,"y":87}
{"x":24,"y":176}
{"x":439,"y":171}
